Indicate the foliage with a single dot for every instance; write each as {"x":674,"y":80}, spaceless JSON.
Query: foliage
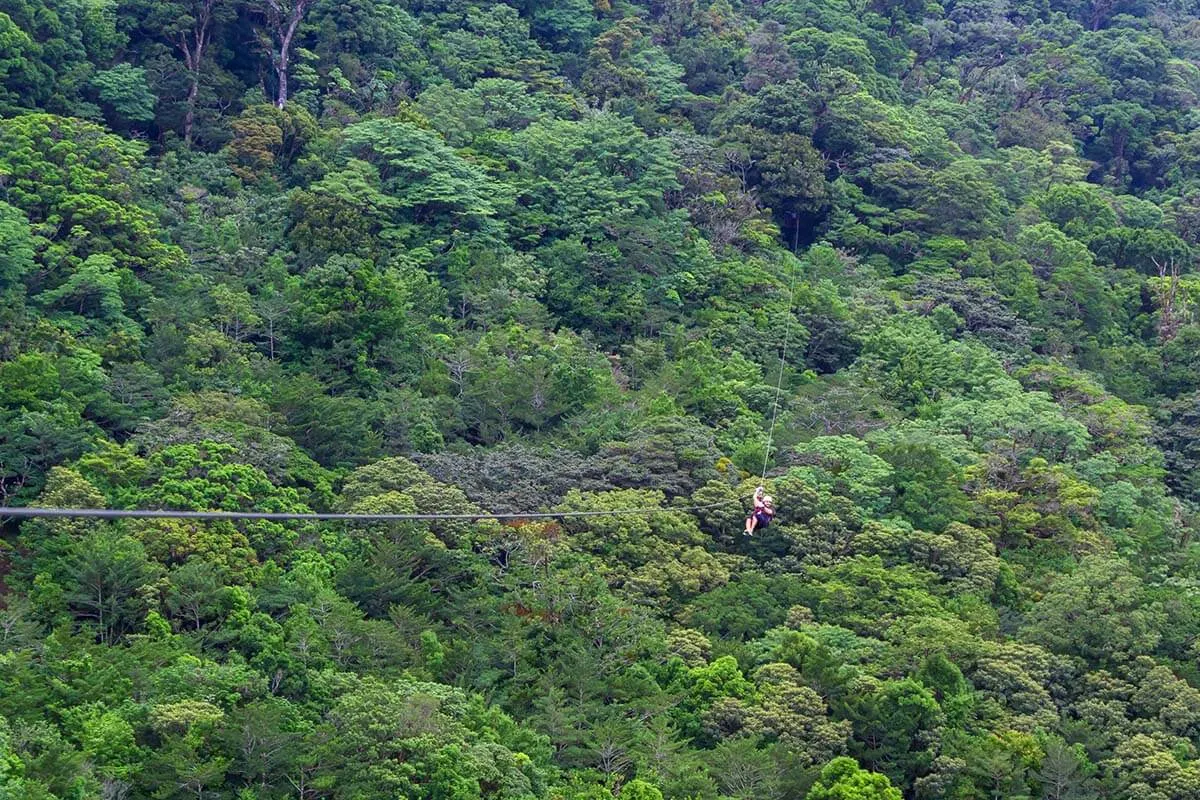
{"x":923,"y":270}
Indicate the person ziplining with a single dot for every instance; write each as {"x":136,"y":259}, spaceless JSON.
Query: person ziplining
{"x":762,"y":513}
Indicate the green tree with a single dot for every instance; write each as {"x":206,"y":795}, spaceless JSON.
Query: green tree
{"x":580,"y":177}
{"x":41,"y":416}
{"x":124,"y":91}
{"x":105,"y":579}
{"x":421,"y":174}
{"x":1099,"y":613}
{"x":184,"y":762}
{"x":521,"y":378}
{"x":15,"y":50}
{"x":896,"y":728}
{"x":928,"y":485}
{"x":77,"y":185}
{"x":788,"y":172}
{"x":843,"y":779}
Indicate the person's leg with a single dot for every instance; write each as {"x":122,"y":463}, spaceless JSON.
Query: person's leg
{"x":751,"y":522}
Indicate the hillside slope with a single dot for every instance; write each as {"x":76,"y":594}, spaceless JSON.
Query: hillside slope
{"x":930,"y":266}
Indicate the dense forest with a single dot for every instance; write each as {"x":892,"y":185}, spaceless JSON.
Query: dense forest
{"x":929,"y":265}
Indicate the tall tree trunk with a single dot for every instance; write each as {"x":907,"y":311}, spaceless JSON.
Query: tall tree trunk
{"x":193,"y":44}
{"x":282,"y":70}
{"x":1169,"y":320}
{"x":189,"y":116}
{"x":285,"y":22}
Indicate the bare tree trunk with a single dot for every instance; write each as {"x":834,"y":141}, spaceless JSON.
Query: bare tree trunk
{"x":1168,"y":321}
{"x":189,"y":117}
{"x":285,"y":23}
{"x":193,"y":45}
{"x":281,"y":98}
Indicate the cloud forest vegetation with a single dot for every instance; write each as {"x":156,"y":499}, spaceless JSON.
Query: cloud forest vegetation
{"x":462,"y":255}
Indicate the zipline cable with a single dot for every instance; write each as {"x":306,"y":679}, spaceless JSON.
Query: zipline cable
{"x":787,"y":329}
{"x":153,"y":513}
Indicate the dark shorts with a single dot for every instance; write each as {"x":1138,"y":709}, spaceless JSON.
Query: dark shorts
{"x":761,"y":519}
